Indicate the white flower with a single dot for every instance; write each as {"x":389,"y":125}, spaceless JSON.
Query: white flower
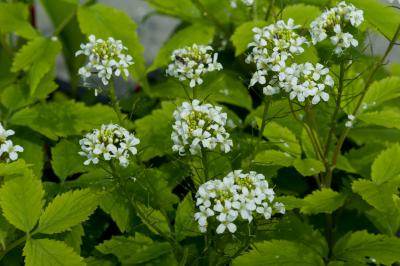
{"x":238,"y":197}
{"x":332,"y":22}
{"x":245,"y":2}
{"x":8,"y":151}
{"x":350,"y":121}
{"x":191,"y":63}
{"x":271,"y":51}
{"x":105,"y":58}
{"x":107,"y":143}
{"x":199,"y":126}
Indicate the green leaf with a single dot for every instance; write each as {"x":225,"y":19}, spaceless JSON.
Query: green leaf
{"x":62,"y":119}
{"x":273,"y":157}
{"x":37,"y":58}
{"x":183,"y":9}
{"x":199,"y":33}
{"x":22,"y":200}
{"x":387,"y":118}
{"x":368,"y":134}
{"x":290,"y":202}
{"x":382,"y":91}
{"x":244,"y":35}
{"x":358,"y":246}
{"x":67,"y":210}
{"x":14,"y":17}
{"x":105,"y":21}
{"x":297,"y":13}
{"x":282,"y":137}
{"x":388,"y":220}
{"x":279,"y":253}
{"x":322,"y":201}
{"x":47,"y":252}
{"x":185,"y":225}
{"x":223,"y":86}
{"x":153,"y":219}
{"x":73,"y":238}
{"x":119,"y":209}
{"x":383,"y":18}
{"x":377,"y":195}
{"x":132,"y":251}
{"x":386,"y":166}
{"x":154,"y":132}
{"x":34,"y":151}
{"x":66,"y":160}
{"x":308,"y":167}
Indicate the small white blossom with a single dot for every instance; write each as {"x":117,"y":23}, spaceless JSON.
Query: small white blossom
{"x":107,"y":143}
{"x":105,"y":58}
{"x":8,"y":151}
{"x":332,"y":23}
{"x":199,"y":126}
{"x":239,"y":197}
{"x":245,"y":2}
{"x":191,"y":63}
{"x":350,"y":121}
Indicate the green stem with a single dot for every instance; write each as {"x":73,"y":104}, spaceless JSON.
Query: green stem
{"x":370,"y":80}
{"x":68,"y":19}
{"x":194,"y":92}
{"x":114,"y":102}
{"x":267,"y":103}
{"x":337,"y":108}
{"x":13,"y":245}
{"x":255,"y":10}
{"x":204,"y":163}
{"x":269,"y":11}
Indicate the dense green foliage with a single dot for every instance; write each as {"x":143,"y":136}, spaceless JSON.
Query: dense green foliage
{"x":340,"y":184}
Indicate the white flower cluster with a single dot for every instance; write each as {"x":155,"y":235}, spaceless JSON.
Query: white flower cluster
{"x":304,"y":81}
{"x":245,"y":2}
{"x":8,"y":151}
{"x":333,"y":22}
{"x":238,"y":196}
{"x":109,"y":142}
{"x":199,"y":126}
{"x":106,"y":58}
{"x":272,"y":48}
{"x":191,"y":63}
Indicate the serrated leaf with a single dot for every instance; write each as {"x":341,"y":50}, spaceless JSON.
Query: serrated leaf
{"x":67,"y":210}
{"x":273,"y":157}
{"x":382,"y":91}
{"x":36,"y":58}
{"x":387,"y":221}
{"x":14,"y":18}
{"x":389,"y":118}
{"x":322,"y":201}
{"x":308,"y":167}
{"x":21,"y":200}
{"x":66,"y":160}
{"x":185,"y":225}
{"x":200,"y":34}
{"x":47,"y":252}
{"x":73,"y":238}
{"x":117,"y":206}
{"x":244,"y":35}
{"x":154,"y":132}
{"x":281,"y":137}
{"x":297,"y":13}
{"x":386,"y":166}
{"x":153,"y":219}
{"x":356,"y":247}
{"x":290,"y":202}
{"x":132,"y":251}
{"x":279,"y":253}
{"x":377,"y":195}
{"x":105,"y":21}
{"x":62,"y":119}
